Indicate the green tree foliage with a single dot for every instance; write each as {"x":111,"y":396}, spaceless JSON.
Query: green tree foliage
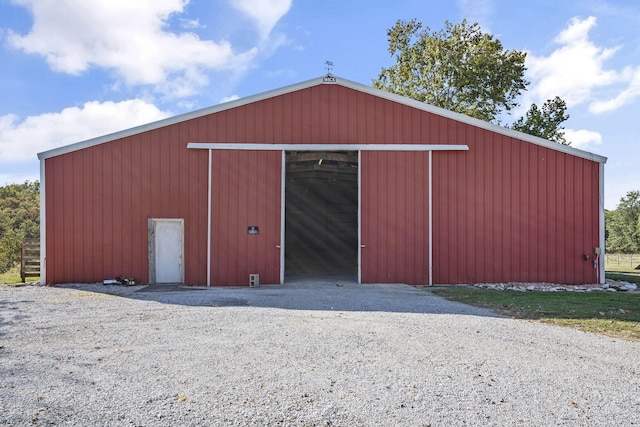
{"x":623,"y":225}
{"x":19,"y":219}
{"x":546,"y":122}
{"x":459,"y":68}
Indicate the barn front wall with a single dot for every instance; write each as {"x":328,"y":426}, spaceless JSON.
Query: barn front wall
{"x":505,"y":210}
{"x":245,"y":216}
{"x":394,"y":217}
{"x":98,"y":202}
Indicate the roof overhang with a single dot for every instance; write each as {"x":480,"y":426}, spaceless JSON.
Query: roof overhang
{"x":327,"y":80}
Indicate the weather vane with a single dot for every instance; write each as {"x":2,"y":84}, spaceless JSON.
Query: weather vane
{"x":329,"y":77}
{"x":329,"y":66}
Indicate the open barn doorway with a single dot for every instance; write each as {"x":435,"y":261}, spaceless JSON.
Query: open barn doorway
{"x":321,"y":214}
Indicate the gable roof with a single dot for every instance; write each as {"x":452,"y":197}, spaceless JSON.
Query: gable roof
{"x":328,"y":79}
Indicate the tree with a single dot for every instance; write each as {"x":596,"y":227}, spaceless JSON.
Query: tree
{"x":459,"y":68}
{"x":623,"y":225}
{"x":546,"y":122}
{"x":19,"y":219}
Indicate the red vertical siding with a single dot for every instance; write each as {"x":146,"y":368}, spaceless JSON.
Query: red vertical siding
{"x":394,"y":212}
{"x":506,"y":210}
{"x":245,"y":192}
{"x":511,"y":211}
{"x":99,"y":200}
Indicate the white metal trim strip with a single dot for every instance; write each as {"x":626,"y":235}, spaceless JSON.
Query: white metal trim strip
{"x":43,"y":225}
{"x":360,"y":217}
{"x":430,"y":223}
{"x":601,"y":266}
{"x":463,"y":118}
{"x":283,"y":177}
{"x":209,"y":221}
{"x":326,"y":147}
{"x":179,"y":118}
{"x":319,"y":81}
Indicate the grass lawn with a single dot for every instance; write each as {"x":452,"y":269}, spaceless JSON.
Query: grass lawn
{"x":13,"y":276}
{"x":616,"y":314}
{"x":622,"y":273}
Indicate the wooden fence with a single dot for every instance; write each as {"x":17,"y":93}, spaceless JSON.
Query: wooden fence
{"x":29,"y":258}
{"x":628,"y":261}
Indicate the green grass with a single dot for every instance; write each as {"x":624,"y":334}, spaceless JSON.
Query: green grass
{"x":13,"y":276}
{"x":622,"y":270}
{"x":623,"y":273}
{"x":607,"y":313}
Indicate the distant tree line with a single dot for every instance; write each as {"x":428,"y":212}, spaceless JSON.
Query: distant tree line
{"x":622,"y":225}
{"x":19,"y":220}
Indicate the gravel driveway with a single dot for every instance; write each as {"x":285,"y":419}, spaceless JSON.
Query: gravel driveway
{"x":315,"y":353}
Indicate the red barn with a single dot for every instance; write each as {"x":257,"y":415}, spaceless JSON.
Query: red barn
{"x":324,"y":177}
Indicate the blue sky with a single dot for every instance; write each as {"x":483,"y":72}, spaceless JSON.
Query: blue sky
{"x":71,"y":70}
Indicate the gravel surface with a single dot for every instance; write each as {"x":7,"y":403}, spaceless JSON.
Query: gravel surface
{"x":312,"y":354}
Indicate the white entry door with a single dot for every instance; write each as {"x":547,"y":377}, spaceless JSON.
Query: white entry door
{"x":167,"y":245}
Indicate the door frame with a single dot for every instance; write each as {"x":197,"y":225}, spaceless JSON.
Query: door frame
{"x":151,"y":227}
{"x":324,"y":147}
{"x":316,"y":148}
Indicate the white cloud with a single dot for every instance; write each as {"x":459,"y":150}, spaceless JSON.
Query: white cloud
{"x":22,"y":140}
{"x":583,"y":139}
{"x":630,"y":75}
{"x":477,"y":11}
{"x":574,"y":69}
{"x":265,"y":13}
{"x":191,"y":23}
{"x":131,"y":38}
{"x":24,"y":171}
{"x":576,"y":72}
{"x":229,"y":98}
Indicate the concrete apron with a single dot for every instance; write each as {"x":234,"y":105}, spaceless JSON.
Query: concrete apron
{"x":318,"y":293}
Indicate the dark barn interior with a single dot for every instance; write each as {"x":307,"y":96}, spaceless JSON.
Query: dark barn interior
{"x":321,"y":213}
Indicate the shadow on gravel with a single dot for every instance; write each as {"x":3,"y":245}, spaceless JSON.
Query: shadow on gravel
{"x":330,"y":295}
{"x":9,"y":314}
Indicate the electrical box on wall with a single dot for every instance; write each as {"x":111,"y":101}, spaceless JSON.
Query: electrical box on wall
{"x":597,"y":251}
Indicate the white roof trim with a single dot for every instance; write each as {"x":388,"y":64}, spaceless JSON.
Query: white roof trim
{"x":318,"y":81}
{"x":327,"y":147}
{"x":463,"y":118}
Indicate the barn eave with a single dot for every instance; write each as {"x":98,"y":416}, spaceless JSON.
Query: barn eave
{"x":319,"y":81}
